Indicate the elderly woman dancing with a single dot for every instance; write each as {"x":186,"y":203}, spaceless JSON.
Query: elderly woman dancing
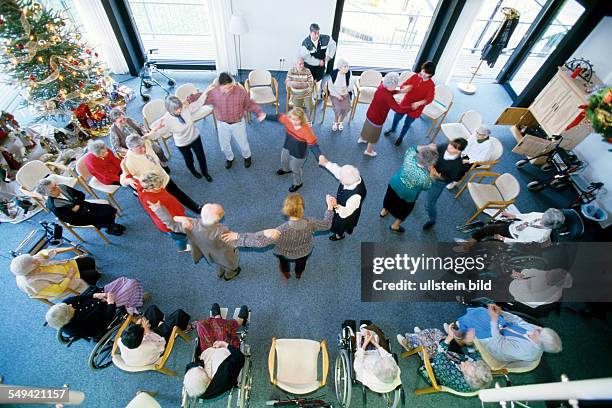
{"x":69,"y":205}
{"x":41,"y":276}
{"x":219,"y":365}
{"x":293,"y":241}
{"x":407,"y":183}
{"x":455,"y":366}
{"x":90,"y":314}
{"x":340,"y":86}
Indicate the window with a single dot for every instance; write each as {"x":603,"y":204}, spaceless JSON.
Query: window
{"x":383,"y":33}
{"x":179,"y":30}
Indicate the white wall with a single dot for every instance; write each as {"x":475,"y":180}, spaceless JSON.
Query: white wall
{"x":277,"y":28}
{"x":596,"y":48}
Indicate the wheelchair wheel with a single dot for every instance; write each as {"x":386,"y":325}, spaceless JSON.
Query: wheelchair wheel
{"x":100,"y":357}
{"x":342,"y":378}
{"x":394,"y":399}
{"x":62,"y":338}
{"x":246,"y":382}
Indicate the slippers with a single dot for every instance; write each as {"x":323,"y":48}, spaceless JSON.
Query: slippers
{"x":400,"y":230}
{"x":336,"y":237}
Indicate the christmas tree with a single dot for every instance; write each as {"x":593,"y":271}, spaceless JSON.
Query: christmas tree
{"x":46,"y":56}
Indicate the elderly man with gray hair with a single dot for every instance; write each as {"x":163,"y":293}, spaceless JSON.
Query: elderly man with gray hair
{"x":204,"y":235}
{"x":140,"y":160}
{"x":349,"y":198}
{"x":300,"y":82}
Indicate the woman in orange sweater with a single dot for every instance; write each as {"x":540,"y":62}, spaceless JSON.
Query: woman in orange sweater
{"x":298,"y":138}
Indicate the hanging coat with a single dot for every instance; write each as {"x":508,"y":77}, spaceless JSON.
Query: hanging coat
{"x":498,"y":41}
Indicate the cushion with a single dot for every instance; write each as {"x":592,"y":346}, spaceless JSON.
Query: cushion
{"x":118,"y":361}
{"x":299,"y":389}
{"x":98,"y":185}
{"x":262,"y":94}
{"x":366,"y":94}
{"x":483,"y":193}
{"x":297,"y":363}
{"x":454,"y":131}
{"x":434,"y":110}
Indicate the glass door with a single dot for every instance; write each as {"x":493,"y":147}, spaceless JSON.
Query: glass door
{"x":565,"y":19}
{"x":383,"y":33}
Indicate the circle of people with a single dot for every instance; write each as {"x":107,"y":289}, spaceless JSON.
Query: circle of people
{"x":136,"y":160}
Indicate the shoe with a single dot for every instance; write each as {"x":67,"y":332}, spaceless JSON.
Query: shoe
{"x":335,"y":127}
{"x":402,"y":341}
{"x":360,"y":140}
{"x":459,"y":240}
{"x":400,"y":230}
{"x":112,"y":231}
{"x":196,"y":174}
{"x":247,"y":162}
{"x":340,"y":126}
{"x":207,"y":177}
{"x":371,"y":154}
{"x":119,"y":227}
{"x":398,"y":142}
{"x":383,"y":213}
{"x":388,"y":132}
{"x":416,"y":329}
{"x":236,"y":273}
{"x":335,"y":237}
{"x":228,"y":164}
{"x":285,"y":274}
{"x":282,"y":172}
{"x":295,"y":188}
{"x":243,"y":314}
{"x":428,"y":225}
{"x":215,"y":310}
{"x":187,"y":249}
{"x":452,"y":185}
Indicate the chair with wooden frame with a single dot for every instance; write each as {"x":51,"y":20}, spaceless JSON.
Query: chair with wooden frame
{"x":183,"y":91}
{"x":501,"y":192}
{"x":293,"y":365}
{"x":468,"y":123}
{"x":152,"y":111}
{"x":159,"y":367}
{"x":315,"y":100}
{"x":365,"y":87}
{"x":82,"y":172}
{"x":262,"y":88}
{"x":438,"y":109}
{"x":496,"y":154}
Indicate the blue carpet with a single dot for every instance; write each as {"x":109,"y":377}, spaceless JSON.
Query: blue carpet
{"x":314,"y":307}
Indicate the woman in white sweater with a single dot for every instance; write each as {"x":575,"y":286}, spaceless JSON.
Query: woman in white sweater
{"x":185,"y":133}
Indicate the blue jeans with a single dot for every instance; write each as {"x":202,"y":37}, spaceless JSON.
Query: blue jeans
{"x":179,"y":239}
{"x":432,"y":198}
{"x":397,"y":118}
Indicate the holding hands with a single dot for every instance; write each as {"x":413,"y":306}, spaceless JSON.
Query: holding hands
{"x":186,"y":222}
{"x":331,"y":202}
{"x":229,"y":237}
{"x":323,"y":161}
{"x":261,"y":116}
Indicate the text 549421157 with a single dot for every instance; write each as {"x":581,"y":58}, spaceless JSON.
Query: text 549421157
{"x":24,"y":395}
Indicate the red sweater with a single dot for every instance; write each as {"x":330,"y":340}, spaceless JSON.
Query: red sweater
{"x":106,"y":170}
{"x":382,"y":102}
{"x":172,"y":205}
{"x":420,"y":90}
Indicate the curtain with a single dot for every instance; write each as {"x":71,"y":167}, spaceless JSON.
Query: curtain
{"x":219,"y":15}
{"x":449,"y":57}
{"x":101,"y":35}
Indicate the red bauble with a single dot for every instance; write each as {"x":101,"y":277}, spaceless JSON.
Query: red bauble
{"x":81,"y":84}
{"x":75,"y":62}
{"x":1,"y":21}
{"x":32,"y":77}
{"x":88,"y":51}
{"x":20,"y":46}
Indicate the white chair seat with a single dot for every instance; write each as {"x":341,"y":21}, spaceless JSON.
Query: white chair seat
{"x":454,"y":131}
{"x":143,"y":400}
{"x":366,"y":94}
{"x":262,"y":94}
{"x":483,"y":193}
{"x":201,"y":113}
{"x":298,"y":389}
{"x":118,"y":361}
{"x":434,"y":110}
{"x":108,"y":189}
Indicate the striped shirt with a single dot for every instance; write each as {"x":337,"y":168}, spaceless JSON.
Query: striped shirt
{"x":300,"y":82}
{"x":295,"y":240}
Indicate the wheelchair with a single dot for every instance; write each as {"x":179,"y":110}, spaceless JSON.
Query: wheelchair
{"x":50,"y":234}
{"x":344,"y":374}
{"x":101,"y":355}
{"x":245,"y":378}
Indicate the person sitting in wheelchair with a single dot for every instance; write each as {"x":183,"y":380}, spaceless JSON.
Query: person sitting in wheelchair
{"x":456,"y":365}
{"x":374,"y":364}
{"x":521,"y":228}
{"x":219,"y":365}
{"x":69,"y":205}
{"x":144,"y":343}
{"x":42,"y":277}
{"x":507,"y":337}
{"x":91,"y":313}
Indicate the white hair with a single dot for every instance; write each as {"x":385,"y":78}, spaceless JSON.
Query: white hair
{"x":133,"y":141}
{"x":550,"y":341}
{"x":151,"y":181}
{"x":23,"y":265}
{"x":391,"y":80}
{"x":480,"y":375}
{"x":211,"y":214}
{"x":44,"y":186}
{"x":196,"y":381}
{"x":97,"y":147}
{"x":385,"y":369}
{"x":553,"y":218}
{"x":349,"y":175}
{"x":58,"y":315}
{"x":341,"y":62}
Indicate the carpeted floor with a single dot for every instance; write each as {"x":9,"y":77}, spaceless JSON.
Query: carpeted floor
{"x":314,"y":307}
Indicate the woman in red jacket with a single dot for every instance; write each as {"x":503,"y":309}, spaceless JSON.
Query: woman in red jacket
{"x":151,"y":193}
{"x":102,"y":163}
{"x":382,"y":102}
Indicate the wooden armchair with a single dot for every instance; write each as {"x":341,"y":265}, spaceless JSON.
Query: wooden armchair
{"x":498,"y":151}
{"x":498,"y":194}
